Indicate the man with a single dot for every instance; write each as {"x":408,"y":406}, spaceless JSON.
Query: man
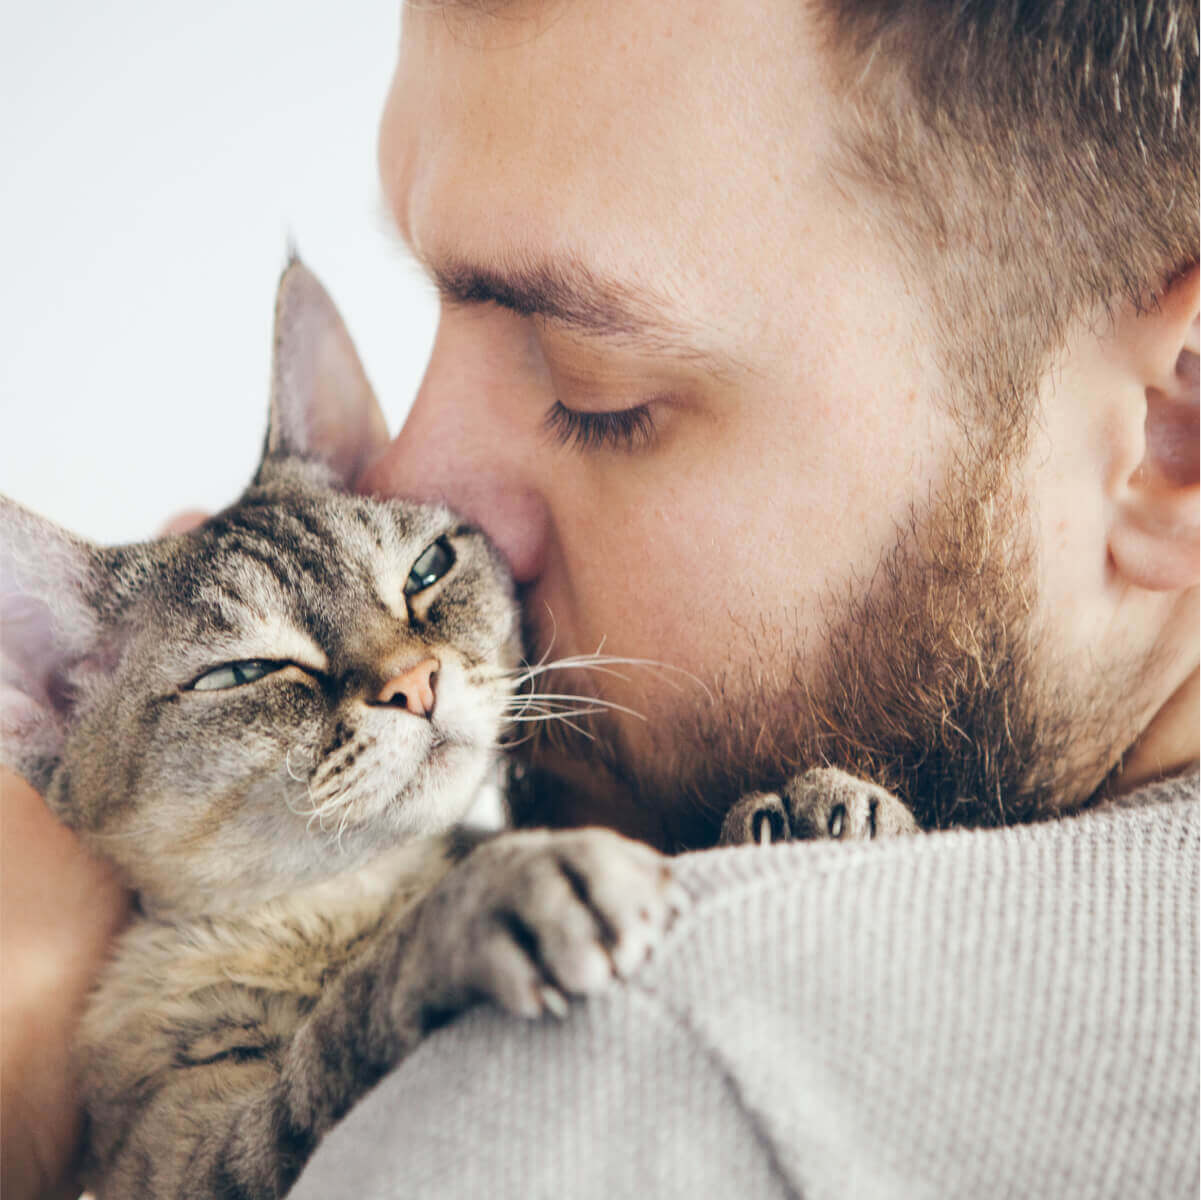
{"x":841,"y":358}
{"x":757,"y":359}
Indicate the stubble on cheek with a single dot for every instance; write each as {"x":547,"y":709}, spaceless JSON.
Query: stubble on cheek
{"x":933,"y":681}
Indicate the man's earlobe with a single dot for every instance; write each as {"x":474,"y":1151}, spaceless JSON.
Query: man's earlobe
{"x":1153,"y":535}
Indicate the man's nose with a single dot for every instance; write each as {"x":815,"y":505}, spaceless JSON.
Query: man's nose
{"x":471,"y":440}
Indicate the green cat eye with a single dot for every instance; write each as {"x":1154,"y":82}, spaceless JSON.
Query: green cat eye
{"x":435,"y":560}
{"x":233,"y":675}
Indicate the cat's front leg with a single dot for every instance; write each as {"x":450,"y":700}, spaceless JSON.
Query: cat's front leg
{"x":821,"y":803}
{"x":525,"y":920}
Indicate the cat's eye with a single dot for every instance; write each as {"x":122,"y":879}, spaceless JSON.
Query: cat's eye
{"x":433,"y":562}
{"x":233,"y":675}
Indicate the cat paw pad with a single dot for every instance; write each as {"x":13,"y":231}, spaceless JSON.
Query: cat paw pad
{"x":824,"y":803}
{"x":544,"y":916}
{"x":828,"y":803}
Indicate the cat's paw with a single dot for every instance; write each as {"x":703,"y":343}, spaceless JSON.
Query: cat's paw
{"x":758,"y":818}
{"x":822,"y":803}
{"x":828,"y":803}
{"x":531,"y":918}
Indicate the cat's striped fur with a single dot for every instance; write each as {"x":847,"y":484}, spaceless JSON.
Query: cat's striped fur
{"x":219,"y":713}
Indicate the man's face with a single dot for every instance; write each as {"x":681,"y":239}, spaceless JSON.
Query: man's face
{"x":677,"y":377}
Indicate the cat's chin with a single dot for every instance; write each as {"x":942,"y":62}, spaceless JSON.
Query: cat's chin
{"x":443,"y":790}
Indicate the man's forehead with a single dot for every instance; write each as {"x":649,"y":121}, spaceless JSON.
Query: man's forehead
{"x":625,"y":171}
{"x":622,"y":75}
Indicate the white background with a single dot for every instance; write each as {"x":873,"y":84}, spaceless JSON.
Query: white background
{"x":154,"y":160}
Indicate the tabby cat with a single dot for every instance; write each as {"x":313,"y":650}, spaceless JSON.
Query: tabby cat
{"x":272,"y":724}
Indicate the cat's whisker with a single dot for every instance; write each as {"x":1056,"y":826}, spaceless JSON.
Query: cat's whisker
{"x":578,"y":661}
{"x":309,"y":810}
{"x":588,"y":698}
{"x":603,"y":664}
{"x":535,"y":711}
{"x":564,"y":718}
{"x":324,"y":822}
{"x":321,"y":775}
{"x":337,"y":803}
{"x":296,"y":809}
{"x":554,"y":716}
{"x":521,"y":741}
{"x":288,"y":766}
{"x":548,"y":700}
{"x":523,"y":697}
{"x":342,"y":828}
{"x":332,"y":763}
{"x":554,"y":633}
{"x":515,"y":674}
{"x":596,"y":668}
{"x":520,"y":703}
{"x":541,"y":714}
{"x":597,"y":702}
{"x":320,"y":814}
{"x":578,"y":728}
{"x":551,"y":715}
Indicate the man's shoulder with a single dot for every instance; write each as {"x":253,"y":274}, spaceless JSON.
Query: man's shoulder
{"x":918,"y":1017}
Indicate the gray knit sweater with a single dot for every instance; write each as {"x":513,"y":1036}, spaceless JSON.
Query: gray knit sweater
{"x":975,"y":1014}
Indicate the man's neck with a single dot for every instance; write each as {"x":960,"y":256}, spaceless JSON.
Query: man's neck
{"x":1168,"y":744}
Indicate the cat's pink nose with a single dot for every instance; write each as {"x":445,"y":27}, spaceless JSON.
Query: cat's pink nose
{"x":412,"y":689}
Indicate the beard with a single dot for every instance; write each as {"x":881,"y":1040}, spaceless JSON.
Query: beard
{"x":932,"y":680}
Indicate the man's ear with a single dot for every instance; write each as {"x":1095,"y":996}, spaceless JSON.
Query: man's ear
{"x":48,"y":627}
{"x":322,"y":406}
{"x":1153,"y":533}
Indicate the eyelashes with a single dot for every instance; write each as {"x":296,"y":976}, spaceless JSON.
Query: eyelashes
{"x":624,"y":429}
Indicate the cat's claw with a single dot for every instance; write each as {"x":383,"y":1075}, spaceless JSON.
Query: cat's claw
{"x":553,"y":1001}
{"x":759,"y":819}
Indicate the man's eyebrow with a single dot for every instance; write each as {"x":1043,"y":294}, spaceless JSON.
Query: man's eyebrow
{"x":570,"y":294}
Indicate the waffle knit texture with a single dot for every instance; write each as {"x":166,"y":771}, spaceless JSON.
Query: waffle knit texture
{"x":972,"y":1013}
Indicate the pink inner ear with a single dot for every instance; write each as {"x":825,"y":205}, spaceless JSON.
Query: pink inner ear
{"x":346,"y":419}
{"x":36,"y":654}
{"x":322,"y":404}
{"x":36,"y":650}
{"x":47,"y":627}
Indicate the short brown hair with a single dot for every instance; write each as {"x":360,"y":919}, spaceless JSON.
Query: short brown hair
{"x":1040,"y":159}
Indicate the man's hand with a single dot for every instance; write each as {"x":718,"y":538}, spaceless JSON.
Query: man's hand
{"x":59,"y":910}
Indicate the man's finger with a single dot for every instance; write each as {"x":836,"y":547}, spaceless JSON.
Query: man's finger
{"x":182,"y":522}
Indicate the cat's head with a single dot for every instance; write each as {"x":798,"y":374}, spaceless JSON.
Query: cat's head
{"x":303,"y":681}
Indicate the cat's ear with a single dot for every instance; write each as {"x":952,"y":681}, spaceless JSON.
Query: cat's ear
{"x":48,"y":626}
{"x":322,"y":406}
